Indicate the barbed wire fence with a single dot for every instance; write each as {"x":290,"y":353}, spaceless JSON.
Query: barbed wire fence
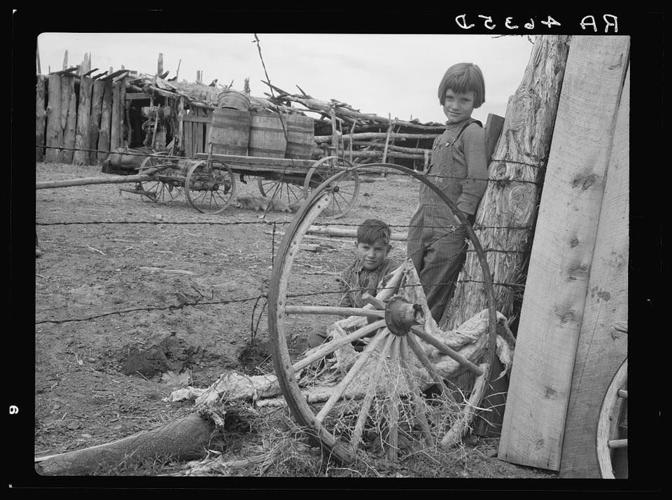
{"x":261,"y":299}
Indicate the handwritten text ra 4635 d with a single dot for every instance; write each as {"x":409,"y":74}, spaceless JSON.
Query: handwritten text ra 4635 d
{"x":588,"y":23}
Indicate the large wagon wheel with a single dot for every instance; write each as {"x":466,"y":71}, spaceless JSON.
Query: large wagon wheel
{"x":210,"y":186}
{"x":165,"y":188}
{"x":612,"y":427}
{"x":345,"y":188}
{"x":280,"y":189}
{"x":379,"y":398}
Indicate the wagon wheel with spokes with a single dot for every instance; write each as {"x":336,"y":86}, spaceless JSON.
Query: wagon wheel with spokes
{"x":344,"y":188}
{"x":281,"y":189}
{"x":381,"y":375}
{"x":165,"y":188}
{"x":210,"y":186}
{"x":612,"y":427}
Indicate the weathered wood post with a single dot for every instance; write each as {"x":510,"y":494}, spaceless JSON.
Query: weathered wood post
{"x":105,"y":121}
{"x":40,"y":116}
{"x":94,"y":121}
{"x":68,"y":117}
{"x":82,"y":139}
{"x":561,"y":259}
{"x":603,"y":343}
{"x":54,"y":130}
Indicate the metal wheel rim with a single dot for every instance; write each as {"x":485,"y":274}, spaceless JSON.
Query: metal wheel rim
{"x":195,"y":199}
{"x":284,"y":370}
{"x":343,"y":201}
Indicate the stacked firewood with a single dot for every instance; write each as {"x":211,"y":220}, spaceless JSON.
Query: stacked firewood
{"x":363,"y":137}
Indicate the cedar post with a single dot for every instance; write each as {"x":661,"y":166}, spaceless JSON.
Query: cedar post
{"x":40,"y":115}
{"x":159,"y":65}
{"x":82,"y":140}
{"x":562,"y":252}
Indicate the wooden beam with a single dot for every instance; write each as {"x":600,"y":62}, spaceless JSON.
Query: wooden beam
{"x":602,"y":348}
{"x":159,"y":64}
{"x":561,"y":259}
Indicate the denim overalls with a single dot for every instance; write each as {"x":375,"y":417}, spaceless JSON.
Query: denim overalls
{"x":436,"y":241}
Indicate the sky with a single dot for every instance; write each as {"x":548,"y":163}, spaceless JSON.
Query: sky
{"x":384,"y":74}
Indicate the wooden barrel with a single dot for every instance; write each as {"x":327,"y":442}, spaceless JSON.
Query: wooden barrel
{"x":234,"y":100}
{"x":300,"y":136}
{"x":230,"y":131}
{"x":267,"y":137}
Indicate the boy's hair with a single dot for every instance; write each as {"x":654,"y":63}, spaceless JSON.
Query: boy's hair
{"x":372,"y":230}
{"x":462,"y":78}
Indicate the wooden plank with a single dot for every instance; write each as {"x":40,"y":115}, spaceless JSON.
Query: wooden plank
{"x":94,"y":121}
{"x":188,"y":147}
{"x":135,"y":96}
{"x":69,"y":119}
{"x":54,"y":130}
{"x":82,"y":139}
{"x":562,"y":251}
{"x":273,"y":164}
{"x":115,"y":123}
{"x":197,"y":119}
{"x":123,"y":132}
{"x":105,"y":121}
{"x":199,"y":127}
{"x":40,"y":114}
{"x":602,"y":348}
{"x":525,"y":142}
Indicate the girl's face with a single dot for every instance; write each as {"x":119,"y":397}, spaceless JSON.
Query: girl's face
{"x":458,"y":106}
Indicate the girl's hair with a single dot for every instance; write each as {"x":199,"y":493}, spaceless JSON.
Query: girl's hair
{"x":461,"y":78}
{"x":372,"y":230}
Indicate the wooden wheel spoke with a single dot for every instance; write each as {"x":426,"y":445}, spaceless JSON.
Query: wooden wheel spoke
{"x":345,"y":382}
{"x":330,"y":347}
{"x":370,"y":394}
{"x":444,"y":349}
{"x":415,"y":393}
{"x":393,"y":403}
{"x":334,"y":311}
{"x":424,"y":360}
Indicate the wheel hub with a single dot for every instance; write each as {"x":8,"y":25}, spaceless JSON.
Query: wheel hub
{"x":401,"y":315}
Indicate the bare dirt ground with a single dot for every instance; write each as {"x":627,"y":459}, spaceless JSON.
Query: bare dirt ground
{"x":115,"y":333}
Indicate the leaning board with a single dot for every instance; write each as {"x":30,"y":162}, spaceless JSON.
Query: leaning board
{"x":561,"y":259}
{"x":603,"y":340}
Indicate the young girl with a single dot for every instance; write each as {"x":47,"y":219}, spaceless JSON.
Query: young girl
{"x":436,"y":238}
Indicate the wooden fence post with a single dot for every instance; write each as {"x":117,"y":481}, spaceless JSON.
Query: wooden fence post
{"x":54,"y":130}
{"x":561,"y":259}
{"x":82,"y":140}
{"x":40,"y":116}
{"x":94,"y":122}
{"x":68,"y":117}
{"x":105,"y":121}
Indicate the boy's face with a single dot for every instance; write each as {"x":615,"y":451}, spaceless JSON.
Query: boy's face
{"x":374,"y":254}
{"x":458,"y":106}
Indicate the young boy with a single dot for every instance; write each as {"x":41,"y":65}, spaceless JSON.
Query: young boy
{"x":458,"y":167}
{"x":366,"y":272}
